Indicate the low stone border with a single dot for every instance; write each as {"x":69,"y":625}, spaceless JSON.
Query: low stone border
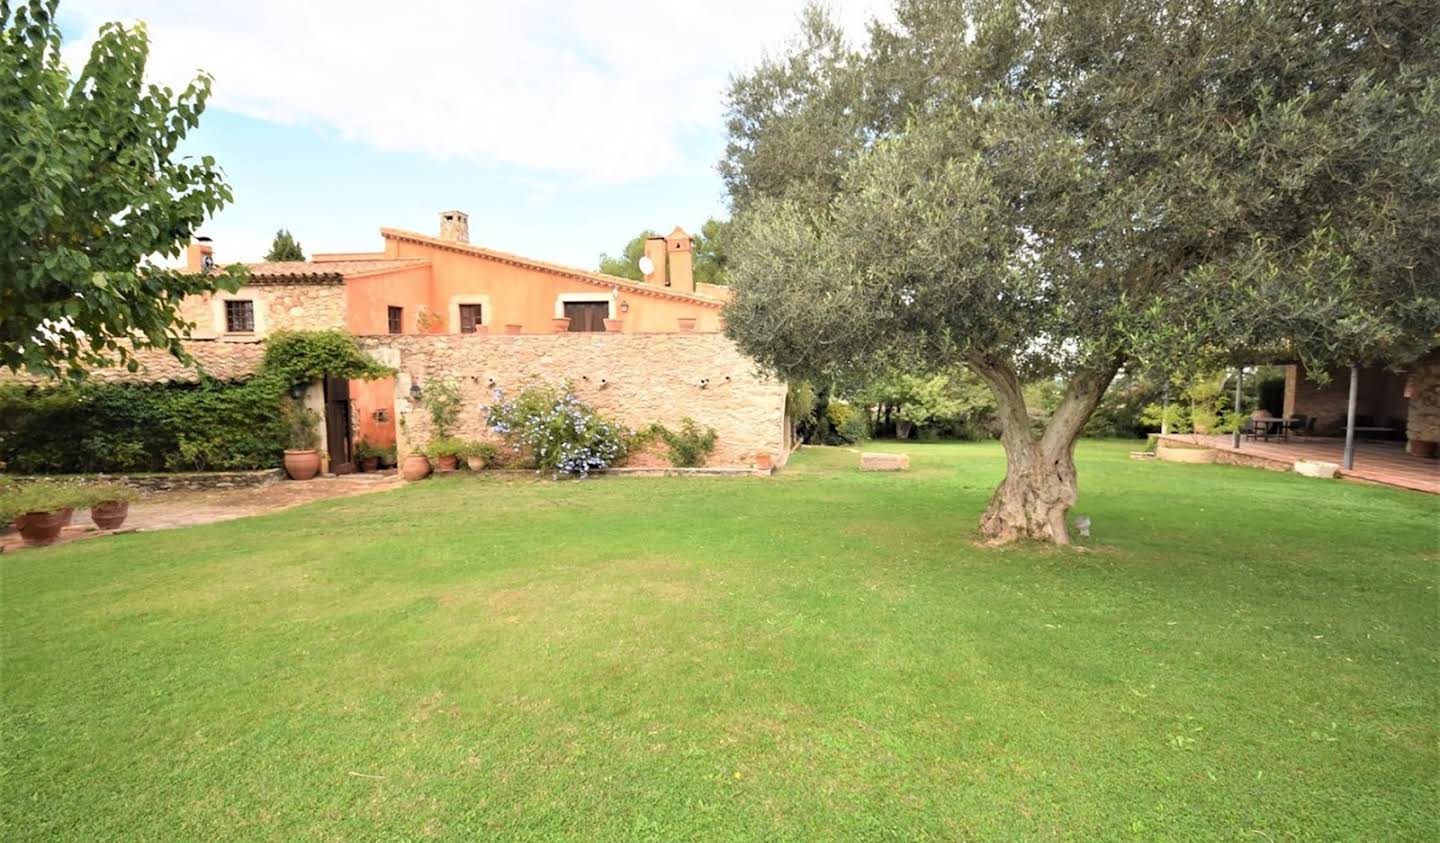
{"x":195,"y":481}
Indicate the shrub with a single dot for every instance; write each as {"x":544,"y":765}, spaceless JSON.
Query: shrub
{"x":478,"y":449}
{"x":110,"y":427}
{"x":688,"y":448}
{"x":444,"y":447}
{"x":302,"y":424}
{"x":17,"y":499}
{"x":556,"y":431}
{"x":442,"y":398}
{"x":304,"y":356}
{"x":98,"y":493}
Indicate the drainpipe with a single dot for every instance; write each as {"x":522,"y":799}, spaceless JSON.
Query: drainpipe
{"x":1350,"y":417}
{"x":1239,"y":379}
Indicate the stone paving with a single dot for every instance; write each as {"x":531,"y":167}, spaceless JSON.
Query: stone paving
{"x":184,"y":508}
{"x":1385,"y":463}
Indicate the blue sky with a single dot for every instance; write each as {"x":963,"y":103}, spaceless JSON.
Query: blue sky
{"x":563,"y":127}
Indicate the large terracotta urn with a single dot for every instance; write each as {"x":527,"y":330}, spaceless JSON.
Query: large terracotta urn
{"x":302,"y":465}
{"x":560,"y":324}
{"x":415,"y":467}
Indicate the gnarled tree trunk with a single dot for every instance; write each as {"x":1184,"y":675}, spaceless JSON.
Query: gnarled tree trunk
{"x":1039,"y":486}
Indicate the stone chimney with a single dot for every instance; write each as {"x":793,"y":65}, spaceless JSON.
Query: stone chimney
{"x":655,"y":251}
{"x":455,"y":226}
{"x":679,"y":248}
{"x":199,"y":256}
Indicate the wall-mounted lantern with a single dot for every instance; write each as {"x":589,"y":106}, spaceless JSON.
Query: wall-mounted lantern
{"x":624,"y":306}
{"x":297,"y":390}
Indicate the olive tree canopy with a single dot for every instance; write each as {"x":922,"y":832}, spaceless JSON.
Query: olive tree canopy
{"x":1042,"y":189}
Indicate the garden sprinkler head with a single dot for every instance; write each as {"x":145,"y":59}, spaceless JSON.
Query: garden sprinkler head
{"x":1082,"y":524}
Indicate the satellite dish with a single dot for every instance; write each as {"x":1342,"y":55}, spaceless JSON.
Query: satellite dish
{"x":647,"y":266}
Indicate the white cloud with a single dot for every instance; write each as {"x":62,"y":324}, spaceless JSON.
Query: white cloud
{"x":599,"y":91}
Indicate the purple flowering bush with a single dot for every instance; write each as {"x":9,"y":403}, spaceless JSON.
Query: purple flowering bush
{"x":558,"y":431}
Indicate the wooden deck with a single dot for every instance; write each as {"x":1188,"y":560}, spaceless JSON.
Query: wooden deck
{"x":1375,"y":462}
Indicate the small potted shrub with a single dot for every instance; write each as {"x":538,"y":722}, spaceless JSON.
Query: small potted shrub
{"x":302,"y":458}
{"x":110,"y":504}
{"x":41,"y":509}
{"x":479,"y":454}
{"x":446,"y":453}
{"x":387,"y":456}
{"x":367,"y":456}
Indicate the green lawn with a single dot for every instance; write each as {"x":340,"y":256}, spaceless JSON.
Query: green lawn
{"x":1236,"y":654}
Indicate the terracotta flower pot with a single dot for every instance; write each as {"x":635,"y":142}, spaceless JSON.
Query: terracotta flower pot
{"x":560,"y":324}
{"x":415,"y":467}
{"x":449,"y":462}
{"x":475,"y":463}
{"x":302,"y":465}
{"x":1423,"y":448}
{"x":109,"y":515}
{"x":687,"y":323}
{"x":614,"y":326}
{"x":369,"y":463}
{"x":763,"y":462}
{"x":69,"y":515}
{"x":513,"y":328}
{"x":39,"y":528}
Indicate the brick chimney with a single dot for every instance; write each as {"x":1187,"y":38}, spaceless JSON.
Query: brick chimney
{"x":197,"y":253}
{"x":455,"y":226}
{"x":655,"y":251}
{"x":679,"y":248}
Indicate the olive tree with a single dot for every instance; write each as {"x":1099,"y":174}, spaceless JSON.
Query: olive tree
{"x":1041,"y":190}
{"x":91,"y":189}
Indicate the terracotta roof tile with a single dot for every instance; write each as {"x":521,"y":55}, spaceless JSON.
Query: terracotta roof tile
{"x":326,"y":272}
{"x":598,"y":279}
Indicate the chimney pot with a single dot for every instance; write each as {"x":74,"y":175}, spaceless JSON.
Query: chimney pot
{"x":455,"y":226}
{"x":682,"y":260}
{"x":200,"y":255}
{"x":655,"y":251}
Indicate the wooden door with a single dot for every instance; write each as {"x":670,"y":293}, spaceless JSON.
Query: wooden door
{"x":337,"y":425}
{"x":587,"y":315}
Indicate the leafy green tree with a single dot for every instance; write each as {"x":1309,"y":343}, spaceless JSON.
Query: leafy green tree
{"x":92,"y":188}
{"x":1044,"y":195}
{"x":710,"y":255}
{"x":627,"y":264}
{"x":285,"y":247}
{"x":709,"y":252}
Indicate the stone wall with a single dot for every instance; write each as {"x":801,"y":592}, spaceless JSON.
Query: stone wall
{"x":634,"y":378}
{"x":1423,"y":422}
{"x":309,"y":306}
{"x":220,"y":359}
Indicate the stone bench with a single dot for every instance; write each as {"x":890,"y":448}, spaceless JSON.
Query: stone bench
{"x":884,"y":462}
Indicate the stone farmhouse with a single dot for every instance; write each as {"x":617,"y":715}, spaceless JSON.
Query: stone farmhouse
{"x":486,"y":320}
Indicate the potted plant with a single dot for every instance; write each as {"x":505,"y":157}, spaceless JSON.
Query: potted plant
{"x":513,"y":328}
{"x":560,"y":324}
{"x":614,"y":326}
{"x":387,"y":456}
{"x":687,"y":323}
{"x":110,"y":504}
{"x":446,"y":453}
{"x":479,"y":454}
{"x":41,"y":509}
{"x":302,"y":458}
{"x":367,"y":456}
{"x":764,"y":462}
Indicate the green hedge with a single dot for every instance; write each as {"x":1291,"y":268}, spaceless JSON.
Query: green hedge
{"x":104,"y":427}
